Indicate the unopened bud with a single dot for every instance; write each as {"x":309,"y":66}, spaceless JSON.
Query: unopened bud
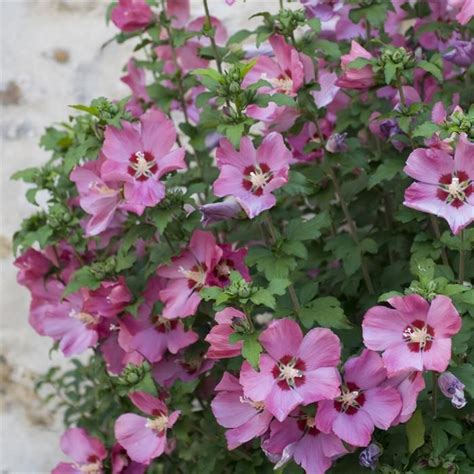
{"x":369,"y":456}
{"x":451,"y":387}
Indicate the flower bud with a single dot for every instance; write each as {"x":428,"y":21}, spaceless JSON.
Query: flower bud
{"x":369,"y":456}
{"x":451,"y":387}
{"x":219,"y":211}
{"x":337,"y":143}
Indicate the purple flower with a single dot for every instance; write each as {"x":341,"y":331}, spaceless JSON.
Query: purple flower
{"x":451,"y":387}
{"x":461,"y":53}
{"x":369,"y":456}
{"x":322,"y":9}
{"x":219,"y":211}
{"x":337,"y":143}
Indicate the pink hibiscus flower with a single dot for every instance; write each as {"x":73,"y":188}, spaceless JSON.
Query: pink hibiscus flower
{"x":139,"y":155}
{"x":131,"y":15}
{"x":298,"y":438}
{"x":86,"y":452}
{"x":466,"y":12}
{"x":352,"y":78}
{"x":135,"y":79}
{"x":116,"y":359}
{"x":231,"y":260}
{"x":245,"y":418}
{"x":295,"y":370}
{"x":218,"y":336}
{"x":414,"y":334}
{"x":122,"y":464}
{"x":144,"y":438}
{"x":251,"y":175}
{"x":187,"y":274}
{"x":409,"y":385}
{"x":152,"y":335}
{"x":363,"y":404}
{"x":75,"y":321}
{"x":176,"y":367}
{"x":445,"y":185}
{"x":286,"y":73}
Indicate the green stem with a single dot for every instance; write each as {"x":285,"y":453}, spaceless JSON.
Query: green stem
{"x":347,"y":215}
{"x":434,"y":399}
{"x":437,"y":233}
{"x":461,"y":260}
{"x":291,"y":289}
{"x":281,"y":4}
{"x":400,"y":90}
{"x":211,"y":38}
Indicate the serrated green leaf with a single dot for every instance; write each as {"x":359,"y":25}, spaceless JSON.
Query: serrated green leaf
{"x":326,"y":311}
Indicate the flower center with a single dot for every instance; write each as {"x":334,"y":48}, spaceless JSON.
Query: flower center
{"x":158,"y":424}
{"x":307,"y":424}
{"x":454,"y":190}
{"x":83,"y":317}
{"x":142,"y":165}
{"x":164,"y":325}
{"x":283,"y":84}
{"x":92,"y":468}
{"x":256,"y":177}
{"x":259,"y":406}
{"x":196,"y":276}
{"x":419,"y":336}
{"x":350,"y":400}
{"x":289,"y":372}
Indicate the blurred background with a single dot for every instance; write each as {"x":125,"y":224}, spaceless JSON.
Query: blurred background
{"x":51,"y":57}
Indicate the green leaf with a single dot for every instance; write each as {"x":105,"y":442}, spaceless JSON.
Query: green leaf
{"x":27,"y":175}
{"x":211,"y":293}
{"x":386,"y":171}
{"x":298,"y":229}
{"x":147,"y":385}
{"x":251,"y":349}
{"x":439,"y":439}
{"x":415,"y":431}
{"x":315,"y":25}
{"x":368,"y":246}
{"x":161,"y":218}
{"x":390,"y":70}
{"x":386,"y":296}
{"x":425,"y":130}
{"x":278,"y":286}
{"x":82,"y":278}
{"x":85,"y":108}
{"x":433,"y":69}
{"x":359,"y":63}
{"x":295,"y":248}
{"x":239,"y":36}
{"x":326,"y":311}
{"x":328,"y":48}
{"x":263,"y":297}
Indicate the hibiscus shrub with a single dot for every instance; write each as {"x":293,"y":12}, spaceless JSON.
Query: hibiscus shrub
{"x":264,"y":251}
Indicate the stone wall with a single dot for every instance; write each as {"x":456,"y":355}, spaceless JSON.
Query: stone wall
{"x":51,"y":57}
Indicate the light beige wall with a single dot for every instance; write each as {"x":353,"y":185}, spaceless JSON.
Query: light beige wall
{"x":50,"y":53}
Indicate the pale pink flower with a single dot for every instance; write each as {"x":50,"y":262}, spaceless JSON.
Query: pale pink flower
{"x":144,"y":438}
{"x":187,"y":275}
{"x":138,"y":155}
{"x":445,"y":186}
{"x":131,"y":15}
{"x":295,"y":370}
{"x":244,"y":418}
{"x":86,"y":452}
{"x":298,"y":438}
{"x":352,"y":78}
{"x":413,"y":334}
{"x":218,"y":337}
{"x":252,"y":175}
{"x":363,"y":404}
{"x":466,"y":12}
